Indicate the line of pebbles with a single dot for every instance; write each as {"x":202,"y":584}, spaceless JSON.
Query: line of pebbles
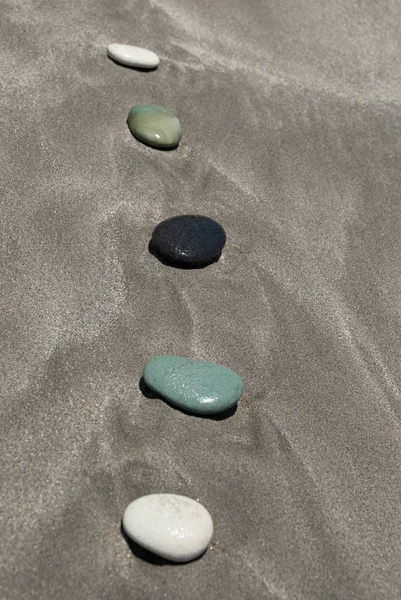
{"x":175,"y":527}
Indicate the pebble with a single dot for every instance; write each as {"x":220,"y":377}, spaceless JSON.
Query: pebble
{"x":193,"y":385}
{"x":133,"y":56}
{"x":174,"y":527}
{"x":189,"y":240}
{"x":155,"y":126}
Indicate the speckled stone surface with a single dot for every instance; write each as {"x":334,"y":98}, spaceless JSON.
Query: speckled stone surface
{"x":189,"y":240}
{"x":155,"y":125}
{"x":172,"y":526}
{"x":193,"y":385}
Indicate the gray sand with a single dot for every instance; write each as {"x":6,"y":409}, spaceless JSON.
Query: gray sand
{"x":292,"y":140}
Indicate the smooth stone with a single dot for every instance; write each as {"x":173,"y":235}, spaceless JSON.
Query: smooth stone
{"x":174,"y":527}
{"x":194,"y":385}
{"x":189,"y":240}
{"x":155,"y":125}
{"x":133,"y":56}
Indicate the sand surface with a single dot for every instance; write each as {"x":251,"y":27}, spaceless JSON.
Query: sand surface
{"x":292,"y":141}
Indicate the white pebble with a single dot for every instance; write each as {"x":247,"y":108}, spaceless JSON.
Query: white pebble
{"x":133,"y":56}
{"x":174,"y":527}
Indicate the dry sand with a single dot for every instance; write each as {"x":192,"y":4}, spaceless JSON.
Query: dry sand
{"x":292,"y":141}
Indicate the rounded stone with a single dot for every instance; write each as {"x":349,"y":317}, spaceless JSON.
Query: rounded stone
{"x":133,"y":56}
{"x":155,"y":126}
{"x":174,"y":527}
{"x":193,"y":385}
{"x":189,"y":240}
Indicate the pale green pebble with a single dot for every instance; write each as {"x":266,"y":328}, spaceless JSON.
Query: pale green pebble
{"x":155,"y":125}
{"x":193,"y":385}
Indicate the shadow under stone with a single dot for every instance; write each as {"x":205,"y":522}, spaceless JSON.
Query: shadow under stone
{"x":150,"y":145}
{"x":143,"y":554}
{"x":151,"y":558}
{"x":183,"y":266}
{"x":148,"y":393}
{"x":138,"y":69}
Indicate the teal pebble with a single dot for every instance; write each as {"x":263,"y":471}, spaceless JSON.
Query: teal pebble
{"x":193,"y":385}
{"x":155,"y":125}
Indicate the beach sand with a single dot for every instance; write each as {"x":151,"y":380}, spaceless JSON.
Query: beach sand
{"x":291,"y":119}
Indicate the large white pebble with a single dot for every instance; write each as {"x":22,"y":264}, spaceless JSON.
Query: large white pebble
{"x":133,"y":56}
{"x":174,"y":527}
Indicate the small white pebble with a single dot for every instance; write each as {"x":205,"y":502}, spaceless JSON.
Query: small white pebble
{"x":132,"y":56}
{"x":174,"y":527}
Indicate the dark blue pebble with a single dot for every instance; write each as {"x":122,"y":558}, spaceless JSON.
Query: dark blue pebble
{"x":188,"y":240}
